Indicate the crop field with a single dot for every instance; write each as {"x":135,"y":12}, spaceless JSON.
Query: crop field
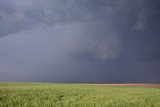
{"x":76,"y":95}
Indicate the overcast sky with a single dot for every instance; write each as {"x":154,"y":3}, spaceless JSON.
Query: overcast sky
{"x":80,"y":40}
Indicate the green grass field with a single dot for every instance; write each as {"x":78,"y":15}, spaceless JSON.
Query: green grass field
{"x":76,"y":95}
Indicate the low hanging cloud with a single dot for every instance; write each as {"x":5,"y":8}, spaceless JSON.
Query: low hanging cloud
{"x":104,"y":43}
{"x":16,"y":16}
{"x":64,"y":38}
{"x":100,"y":42}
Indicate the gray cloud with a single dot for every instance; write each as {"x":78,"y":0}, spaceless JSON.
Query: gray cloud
{"x":17,"y":16}
{"x":66,"y":40}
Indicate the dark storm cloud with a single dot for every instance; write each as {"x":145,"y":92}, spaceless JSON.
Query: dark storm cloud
{"x":18,"y":15}
{"x":80,"y":40}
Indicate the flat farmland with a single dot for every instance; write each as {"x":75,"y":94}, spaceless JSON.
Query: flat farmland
{"x":14,"y":94}
{"x":132,"y":85}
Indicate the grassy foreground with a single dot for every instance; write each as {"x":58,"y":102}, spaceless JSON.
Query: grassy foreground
{"x":76,"y":95}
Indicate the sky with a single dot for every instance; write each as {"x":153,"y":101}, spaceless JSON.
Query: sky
{"x":80,"y":41}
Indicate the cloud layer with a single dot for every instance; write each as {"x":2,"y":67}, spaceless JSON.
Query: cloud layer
{"x":66,"y":40}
